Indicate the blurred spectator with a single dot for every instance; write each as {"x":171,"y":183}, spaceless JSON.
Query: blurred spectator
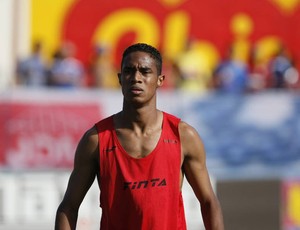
{"x":259,"y":76}
{"x":231,"y":75}
{"x":102,"y":70}
{"x":191,"y":71}
{"x":194,"y":68}
{"x":291,"y":77}
{"x":32,"y":70}
{"x":283,"y":73}
{"x":67,"y":71}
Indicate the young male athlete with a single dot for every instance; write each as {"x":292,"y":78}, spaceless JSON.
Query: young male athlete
{"x":140,"y":157}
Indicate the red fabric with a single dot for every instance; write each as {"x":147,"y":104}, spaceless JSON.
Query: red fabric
{"x":141,"y":194}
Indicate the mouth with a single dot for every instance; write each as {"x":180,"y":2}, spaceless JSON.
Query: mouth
{"x":136,"y":90}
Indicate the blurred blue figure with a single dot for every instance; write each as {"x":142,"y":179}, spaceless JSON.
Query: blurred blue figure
{"x":279,"y":65}
{"x":231,"y":76}
{"x":32,"y":70}
{"x":66,"y":70}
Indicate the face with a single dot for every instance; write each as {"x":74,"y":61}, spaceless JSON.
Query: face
{"x":139,"y":78}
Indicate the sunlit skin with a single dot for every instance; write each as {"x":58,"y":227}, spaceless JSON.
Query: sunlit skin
{"x":138,"y":127}
{"x":139,"y":79}
{"x":139,"y":122}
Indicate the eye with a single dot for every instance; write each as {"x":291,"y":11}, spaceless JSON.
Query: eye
{"x":145,"y":71}
{"x":127,"y":70}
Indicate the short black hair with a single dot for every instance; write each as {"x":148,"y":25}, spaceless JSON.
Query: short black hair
{"x":143,"y":47}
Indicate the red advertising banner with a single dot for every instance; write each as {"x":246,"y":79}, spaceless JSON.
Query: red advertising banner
{"x":170,"y":24}
{"x":43,"y":135}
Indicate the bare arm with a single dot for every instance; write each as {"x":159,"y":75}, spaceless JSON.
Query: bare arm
{"x":194,"y":167}
{"x":81,"y":179}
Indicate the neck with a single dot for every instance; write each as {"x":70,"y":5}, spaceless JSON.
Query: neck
{"x":141,"y":117}
{"x":136,"y":110}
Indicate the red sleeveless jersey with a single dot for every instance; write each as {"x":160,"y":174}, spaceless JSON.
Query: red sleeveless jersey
{"x":141,"y":194}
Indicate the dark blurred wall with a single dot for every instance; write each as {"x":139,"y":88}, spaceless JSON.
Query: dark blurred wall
{"x":250,"y":204}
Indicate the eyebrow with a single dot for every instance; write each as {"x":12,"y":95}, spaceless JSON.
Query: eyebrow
{"x":131,"y":67}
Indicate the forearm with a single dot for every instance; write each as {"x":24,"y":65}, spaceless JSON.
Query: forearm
{"x":212,"y":216}
{"x":65,"y":220}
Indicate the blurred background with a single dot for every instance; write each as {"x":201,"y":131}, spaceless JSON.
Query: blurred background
{"x":232,"y":71}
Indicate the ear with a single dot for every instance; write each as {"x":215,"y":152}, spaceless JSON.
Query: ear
{"x":119,"y":77}
{"x":160,"y":80}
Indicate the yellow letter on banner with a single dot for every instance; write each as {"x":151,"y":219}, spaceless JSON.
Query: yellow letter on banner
{"x":118,"y":23}
{"x":266,"y":48}
{"x":46,"y":20}
{"x":176,"y":32}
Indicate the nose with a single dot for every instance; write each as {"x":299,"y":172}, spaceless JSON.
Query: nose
{"x":137,"y":76}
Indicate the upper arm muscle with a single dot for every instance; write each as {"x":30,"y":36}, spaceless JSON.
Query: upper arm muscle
{"x":194,"y":164}
{"x":84,"y":171}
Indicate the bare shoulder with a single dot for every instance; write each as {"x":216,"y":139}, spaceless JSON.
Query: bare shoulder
{"x":191,"y":141}
{"x":90,"y":138}
{"x":88,"y":145}
{"x":187,"y":129}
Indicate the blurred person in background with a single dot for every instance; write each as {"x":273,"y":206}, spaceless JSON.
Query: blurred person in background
{"x":32,"y":71}
{"x":194,"y":69}
{"x":282,"y":70}
{"x":231,"y":75}
{"x":66,"y":70}
{"x":140,"y":157}
{"x":101,"y":68}
{"x":259,"y":76}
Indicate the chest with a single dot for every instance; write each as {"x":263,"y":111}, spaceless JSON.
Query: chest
{"x":138,"y":145}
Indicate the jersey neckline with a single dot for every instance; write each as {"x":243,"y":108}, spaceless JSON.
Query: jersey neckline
{"x":148,"y":156}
